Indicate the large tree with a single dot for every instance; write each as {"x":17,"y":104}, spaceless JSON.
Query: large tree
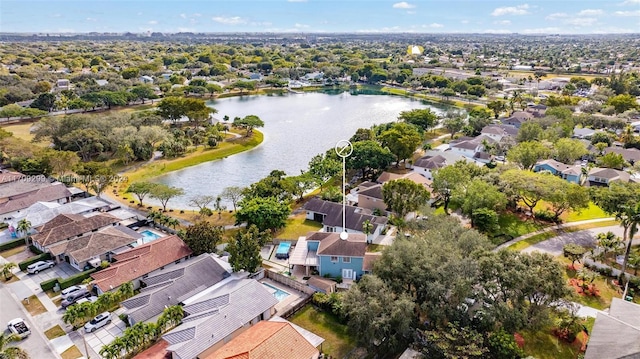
{"x":141,"y":189}
{"x":479,"y":194}
{"x":403,"y":196}
{"x":530,"y":187}
{"x":164,"y":193}
{"x":527,"y":154}
{"x":249,"y":123}
{"x":369,"y":157}
{"x":202,"y":237}
{"x":244,"y":249}
{"x":402,"y":140}
{"x":322,"y":167}
{"x":266,"y":213}
{"x":423,"y":118}
{"x":233,"y":194}
{"x":568,"y":150}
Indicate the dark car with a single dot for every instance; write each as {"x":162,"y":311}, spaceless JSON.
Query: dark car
{"x":74,"y":297}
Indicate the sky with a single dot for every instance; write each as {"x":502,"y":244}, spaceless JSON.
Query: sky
{"x":317,"y":16}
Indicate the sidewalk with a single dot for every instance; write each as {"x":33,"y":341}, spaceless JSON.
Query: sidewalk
{"x":549,"y":229}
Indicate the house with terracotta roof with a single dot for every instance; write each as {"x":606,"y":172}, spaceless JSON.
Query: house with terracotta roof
{"x":64,"y":227}
{"x":94,"y":247}
{"x":267,"y":340}
{"x":136,"y":263}
{"x":330,"y":215}
{"x":331,"y":255}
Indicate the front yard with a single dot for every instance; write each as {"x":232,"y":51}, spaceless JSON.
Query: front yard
{"x":337,"y":341}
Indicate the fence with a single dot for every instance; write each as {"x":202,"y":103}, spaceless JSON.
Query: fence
{"x":291,"y":310}
{"x":300,"y":287}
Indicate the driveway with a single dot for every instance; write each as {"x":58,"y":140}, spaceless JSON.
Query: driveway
{"x":585,"y":238}
{"x":106,"y":334}
{"x":36,"y":344}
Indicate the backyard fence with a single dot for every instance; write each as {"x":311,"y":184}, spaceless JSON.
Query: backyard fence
{"x":300,"y":287}
{"x":292,"y":309}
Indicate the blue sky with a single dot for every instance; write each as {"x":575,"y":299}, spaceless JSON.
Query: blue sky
{"x":425,"y":16}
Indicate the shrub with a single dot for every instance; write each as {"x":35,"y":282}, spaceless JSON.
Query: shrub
{"x":35,"y":250}
{"x":75,"y":279}
{"x":11,"y":244}
{"x":4,"y":225}
{"x":49,"y":284}
{"x":41,"y":257}
{"x":544,"y":215}
{"x":339,"y":279}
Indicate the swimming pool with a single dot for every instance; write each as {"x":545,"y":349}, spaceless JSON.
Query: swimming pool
{"x":283,"y":250}
{"x":148,"y":236}
{"x":278,"y":293}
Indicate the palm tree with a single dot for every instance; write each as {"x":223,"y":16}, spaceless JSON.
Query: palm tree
{"x":173,"y":315}
{"x":634,"y":262}
{"x":105,"y":301}
{"x":10,"y":352}
{"x":173,"y":222}
{"x":629,"y":219}
{"x":110,"y":351}
{"x":366,"y":228}
{"x":24,"y":226}
{"x":7,"y":270}
{"x":609,"y":242}
{"x":125,"y":291}
{"x":70,"y":316}
{"x":154,"y":216}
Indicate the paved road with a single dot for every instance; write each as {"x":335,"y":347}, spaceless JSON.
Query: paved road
{"x":36,"y":344}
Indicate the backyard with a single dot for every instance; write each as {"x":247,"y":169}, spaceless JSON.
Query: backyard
{"x":338,"y":343}
{"x":297,"y":225}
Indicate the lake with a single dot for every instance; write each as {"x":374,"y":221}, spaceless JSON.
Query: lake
{"x":297,"y":127}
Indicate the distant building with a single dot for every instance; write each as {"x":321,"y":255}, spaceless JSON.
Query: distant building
{"x":146,"y":79}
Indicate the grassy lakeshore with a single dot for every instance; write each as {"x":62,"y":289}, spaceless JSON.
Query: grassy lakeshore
{"x":200,"y":155}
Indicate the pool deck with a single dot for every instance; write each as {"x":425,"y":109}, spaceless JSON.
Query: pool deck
{"x":292,"y":299}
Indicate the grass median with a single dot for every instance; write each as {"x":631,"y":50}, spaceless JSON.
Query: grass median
{"x":556,"y":232}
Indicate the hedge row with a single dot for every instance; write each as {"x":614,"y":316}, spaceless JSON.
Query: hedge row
{"x":11,"y":244}
{"x":41,"y":257}
{"x":35,"y":249}
{"x":75,"y":279}
{"x":49,"y":284}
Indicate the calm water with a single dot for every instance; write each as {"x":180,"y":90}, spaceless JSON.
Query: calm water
{"x":297,"y":127}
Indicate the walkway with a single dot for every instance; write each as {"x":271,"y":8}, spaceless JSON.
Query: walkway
{"x":552,"y":228}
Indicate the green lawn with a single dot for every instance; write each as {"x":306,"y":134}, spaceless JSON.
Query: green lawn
{"x":337,"y":341}
{"x":544,"y":236}
{"x":298,"y":226}
{"x":13,"y":251}
{"x":592,"y":212}
{"x":542,"y":344}
{"x":514,"y":226}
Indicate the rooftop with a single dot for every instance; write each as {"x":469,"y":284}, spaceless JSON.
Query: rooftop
{"x":65,"y":226}
{"x":95,"y":244}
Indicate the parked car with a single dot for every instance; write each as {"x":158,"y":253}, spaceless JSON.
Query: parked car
{"x":91,"y":299}
{"x":98,"y":322}
{"x":65,"y":293}
{"x":74,"y":297}
{"x":39,"y":266}
{"x":19,"y":327}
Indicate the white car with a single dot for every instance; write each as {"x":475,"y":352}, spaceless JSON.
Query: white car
{"x":99,"y":321}
{"x":19,"y":327}
{"x":39,"y":266}
{"x":65,"y":293}
{"x":91,"y":299}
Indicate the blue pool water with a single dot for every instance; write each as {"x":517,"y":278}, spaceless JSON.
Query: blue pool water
{"x":148,"y":236}
{"x":283,"y":250}
{"x":279,"y":294}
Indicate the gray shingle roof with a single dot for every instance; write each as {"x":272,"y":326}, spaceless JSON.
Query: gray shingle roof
{"x":247,"y":300}
{"x":197,"y":275}
{"x":354,"y":216}
{"x":616,"y":335}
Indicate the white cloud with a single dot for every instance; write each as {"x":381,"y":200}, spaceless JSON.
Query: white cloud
{"x":590,"y":12}
{"x":153,"y":22}
{"x":435,"y":25}
{"x":56,"y":15}
{"x":297,"y":0}
{"x":384,"y":29}
{"x":557,"y":15}
{"x":464,"y":21}
{"x":234,"y":20}
{"x":91,"y":19}
{"x":630,"y":2}
{"x":502,"y":22}
{"x":627,"y":13}
{"x":403,"y":5}
{"x":544,"y":30}
{"x":582,"y":21}
{"x":301,"y":26}
{"x":184,"y":16}
{"x":511,"y":10}
{"x":186,"y":29}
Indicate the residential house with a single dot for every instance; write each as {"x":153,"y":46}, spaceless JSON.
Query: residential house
{"x":616,"y":333}
{"x":605,"y":176}
{"x":538,"y":110}
{"x":631,"y":155}
{"x":63,"y":84}
{"x":427,"y":165}
{"x":583,"y":133}
{"x":371,"y":198}
{"x":171,"y":286}
{"x":254,"y":76}
{"x":472,"y":147}
{"x":570,"y":173}
{"x":135,"y":263}
{"x":323,"y":285}
{"x":499,"y":132}
{"x":146,"y":79}
{"x":102,"y":82}
{"x":217,"y":316}
{"x":313,"y":76}
{"x":331,"y":255}
{"x":17,"y":195}
{"x":369,"y":260}
{"x":517,"y":118}
{"x":94,"y":247}
{"x":267,"y":340}
{"x":413,"y":176}
{"x":69,"y":226}
{"x":330,"y":215}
